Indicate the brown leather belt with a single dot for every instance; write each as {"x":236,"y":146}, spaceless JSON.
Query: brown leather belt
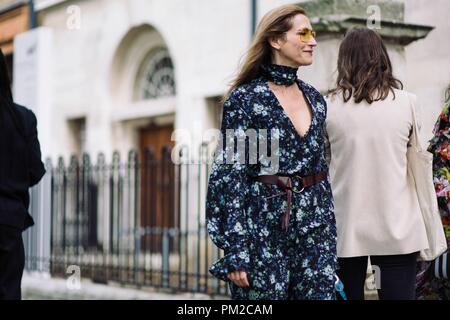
{"x":286,"y":184}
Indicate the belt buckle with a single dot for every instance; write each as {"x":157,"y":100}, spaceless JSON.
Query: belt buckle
{"x":301,"y":181}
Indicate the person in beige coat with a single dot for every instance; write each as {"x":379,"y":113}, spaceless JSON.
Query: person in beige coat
{"x":369,"y":125}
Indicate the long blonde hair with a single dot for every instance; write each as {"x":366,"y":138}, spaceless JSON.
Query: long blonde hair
{"x":273,"y":25}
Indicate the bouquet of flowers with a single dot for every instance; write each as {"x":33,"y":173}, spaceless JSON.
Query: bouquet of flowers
{"x":432,"y":277}
{"x":440,"y":148}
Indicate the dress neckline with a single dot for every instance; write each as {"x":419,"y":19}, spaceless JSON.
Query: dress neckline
{"x":299,"y":83}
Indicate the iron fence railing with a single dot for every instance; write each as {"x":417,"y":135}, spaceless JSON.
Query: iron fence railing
{"x":137,"y":222}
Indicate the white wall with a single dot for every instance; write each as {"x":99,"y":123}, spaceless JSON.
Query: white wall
{"x":428,"y":60}
{"x":197,"y":33}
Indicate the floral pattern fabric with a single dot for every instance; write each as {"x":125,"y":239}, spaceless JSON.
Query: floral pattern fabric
{"x":428,"y":286}
{"x":243,"y":215}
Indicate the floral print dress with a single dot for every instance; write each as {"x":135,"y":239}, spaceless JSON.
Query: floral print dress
{"x":429,"y":287}
{"x":243,"y":215}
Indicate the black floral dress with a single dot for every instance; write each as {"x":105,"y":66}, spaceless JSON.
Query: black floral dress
{"x":243,"y":215}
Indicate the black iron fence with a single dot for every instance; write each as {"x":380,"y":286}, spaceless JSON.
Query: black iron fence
{"x":138,"y":221}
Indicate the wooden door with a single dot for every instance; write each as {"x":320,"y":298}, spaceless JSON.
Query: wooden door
{"x":158,"y":187}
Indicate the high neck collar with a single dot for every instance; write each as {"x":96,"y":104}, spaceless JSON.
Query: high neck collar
{"x":279,"y":74}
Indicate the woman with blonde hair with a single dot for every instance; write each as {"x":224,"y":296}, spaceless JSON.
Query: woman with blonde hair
{"x":277,"y":227}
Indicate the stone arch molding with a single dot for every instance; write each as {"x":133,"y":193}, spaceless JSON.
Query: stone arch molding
{"x":132,"y":52}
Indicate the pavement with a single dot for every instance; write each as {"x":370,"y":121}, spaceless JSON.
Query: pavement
{"x":43,"y":287}
{"x":38,"y":286}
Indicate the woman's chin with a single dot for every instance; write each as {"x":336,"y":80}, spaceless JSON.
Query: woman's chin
{"x":306,"y":62}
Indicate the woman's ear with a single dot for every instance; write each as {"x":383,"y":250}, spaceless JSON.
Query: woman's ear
{"x":275,"y":43}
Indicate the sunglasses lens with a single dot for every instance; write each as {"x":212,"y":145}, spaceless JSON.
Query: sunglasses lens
{"x":306,"y":35}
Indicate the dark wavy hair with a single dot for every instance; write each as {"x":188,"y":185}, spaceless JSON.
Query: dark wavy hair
{"x":364,"y":68}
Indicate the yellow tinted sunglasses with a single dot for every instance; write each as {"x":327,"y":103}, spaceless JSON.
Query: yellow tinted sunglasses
{"x":305,"y":34}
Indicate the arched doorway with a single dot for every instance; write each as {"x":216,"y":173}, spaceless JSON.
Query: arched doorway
{"x":145,"y":86}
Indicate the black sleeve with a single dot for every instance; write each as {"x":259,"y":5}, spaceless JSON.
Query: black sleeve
{"x":227,"y":195}
{"x":35,"y":166}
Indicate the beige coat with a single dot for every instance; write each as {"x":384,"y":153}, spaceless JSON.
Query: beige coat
{"x":377,"y":212}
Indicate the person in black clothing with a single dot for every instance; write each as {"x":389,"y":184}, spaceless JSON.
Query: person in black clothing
{"x":20,"y":168}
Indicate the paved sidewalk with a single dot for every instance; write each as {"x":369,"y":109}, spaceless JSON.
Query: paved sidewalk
{"x":41,"y":287}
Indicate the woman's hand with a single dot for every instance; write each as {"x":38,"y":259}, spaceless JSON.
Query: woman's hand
{"x":239,"y":278}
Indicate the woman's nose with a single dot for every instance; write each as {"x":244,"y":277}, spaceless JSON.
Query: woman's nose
{"x":312,"y":42}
